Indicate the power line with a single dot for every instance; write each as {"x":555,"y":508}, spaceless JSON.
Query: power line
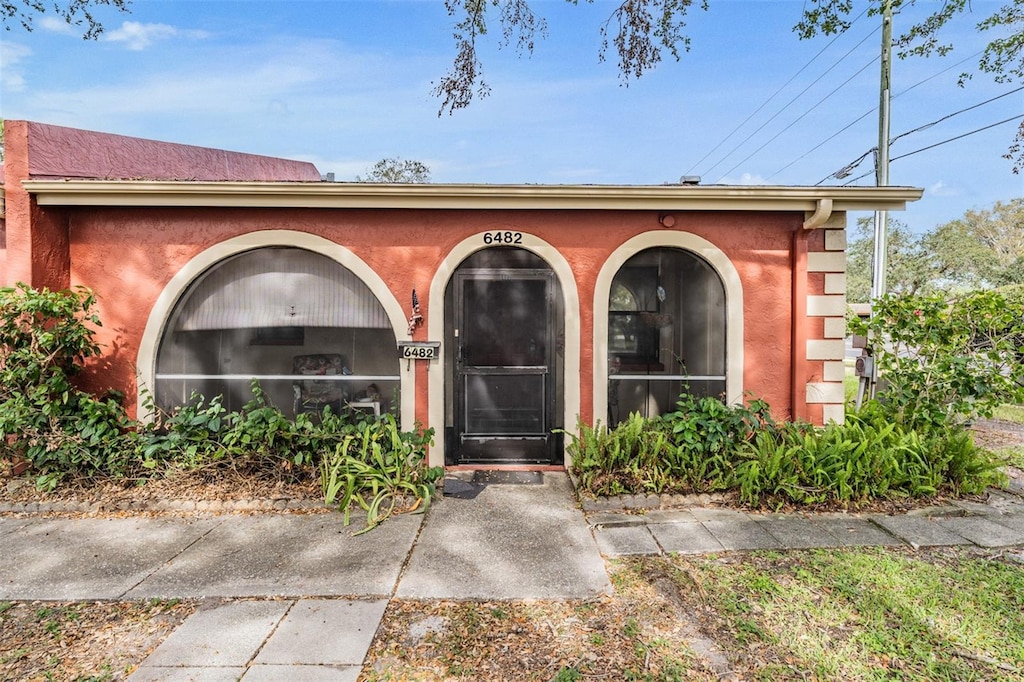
{"x":845,"y":170}
{"x":956,"y":113}
{"x":791,"y":101}
{"x":937,"y":144}
{"x":799,"y":118}
{"x":857,"y":120}
{"x":959,"y":137}
{"x":773,"y":96}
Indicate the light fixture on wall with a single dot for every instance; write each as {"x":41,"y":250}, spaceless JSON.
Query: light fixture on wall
{"x":667,"y":219}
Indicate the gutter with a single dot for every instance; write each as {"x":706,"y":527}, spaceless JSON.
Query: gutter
{"x":141,"y":193}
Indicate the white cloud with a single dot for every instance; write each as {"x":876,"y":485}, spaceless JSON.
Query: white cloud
{"x":941,"y":189}
{"x":56,"y":25}
{"x":745,"y":179}
{"x":12,"y":78}
{"x":138,"y":36}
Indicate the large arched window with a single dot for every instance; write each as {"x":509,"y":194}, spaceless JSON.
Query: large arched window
{"x":666,"y":332}
{"x":306,"y":327}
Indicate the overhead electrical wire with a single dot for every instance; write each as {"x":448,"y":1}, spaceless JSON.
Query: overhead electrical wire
{"x":773,"y":96}
{"x":794,"y":99}
{"x":957,"y":113}
{"x":858,"y":120}
{"x":848,"y":168}
{"x":958,"y":137}
{"x":799,"y":118}
{"x":939,"y":144}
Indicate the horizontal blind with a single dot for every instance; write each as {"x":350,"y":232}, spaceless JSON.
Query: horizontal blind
{"x":280,"y":287}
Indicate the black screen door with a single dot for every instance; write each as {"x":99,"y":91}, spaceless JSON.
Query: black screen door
{"x":504,"y":390}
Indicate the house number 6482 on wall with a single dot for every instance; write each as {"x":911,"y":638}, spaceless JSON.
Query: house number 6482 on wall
{"x":503,"y":237}
{"x":418,"y":350}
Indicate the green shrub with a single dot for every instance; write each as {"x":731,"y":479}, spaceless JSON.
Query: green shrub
{"x":382,"y":470}
{"x":705,"y":445}
{"x":256,"y":440}
{"x":45,"y":338}
{"x":946,"y":362}
{"x":688,"y":450}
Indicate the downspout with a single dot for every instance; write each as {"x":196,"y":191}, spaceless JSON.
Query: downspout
{"x":799,"y":364}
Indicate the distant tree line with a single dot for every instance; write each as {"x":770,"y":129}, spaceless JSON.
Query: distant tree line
{"x":984,"y":249}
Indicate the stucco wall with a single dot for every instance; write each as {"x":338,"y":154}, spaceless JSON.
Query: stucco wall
{"x":128,"y":256}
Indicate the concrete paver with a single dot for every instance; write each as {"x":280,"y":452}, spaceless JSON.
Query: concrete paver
{"x":983,"y":532}
{"x":919,"y":531}
{"x":510,"y":542}
{"x":667,"y":516}
{"x":854,"y":531}
{"x":10,"y":524}
{"x":796,"y":532}
{"x":287,"y":555}
{"x":685,"y":538}
{"x":741,"y":535}
{"x":185,"y":674}
{"x":323,"y":632}
{"x":91,"y":558}
{"x":302,"y":673}
{"x":225,"y":635}
{"x":721,"y":514}
{"x":626,"y":541}
{"x":1011,"y":520}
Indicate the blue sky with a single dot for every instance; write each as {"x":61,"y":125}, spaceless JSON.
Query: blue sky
{"x":345,"y":83}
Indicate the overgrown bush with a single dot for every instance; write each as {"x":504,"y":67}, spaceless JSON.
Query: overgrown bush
{"x":691,"y":449}
{"x":45,"y":421}
{"x":867,"y":457}
{"x":946,"y":362}
{"x":59,"y":431}
{"x":256,"y":440}
{"x":706,"y":445}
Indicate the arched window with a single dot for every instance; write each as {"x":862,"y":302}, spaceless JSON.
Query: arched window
{"x":306,"y":327}
{"x":666,"y":332}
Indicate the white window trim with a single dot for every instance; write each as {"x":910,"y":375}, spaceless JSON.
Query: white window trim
{"x":733,"y":303}
{"x":435,"y":326}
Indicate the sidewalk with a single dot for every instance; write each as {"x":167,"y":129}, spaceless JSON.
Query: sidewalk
{"x":702,"y":530}
{"x":322,"y":592}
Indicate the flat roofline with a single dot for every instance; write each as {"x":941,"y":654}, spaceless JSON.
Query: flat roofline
{"x":146,"y":193}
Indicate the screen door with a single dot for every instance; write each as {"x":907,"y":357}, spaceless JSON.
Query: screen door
{"x":504,"y":378}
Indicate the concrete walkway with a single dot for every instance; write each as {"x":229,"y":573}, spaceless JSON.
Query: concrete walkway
{"x":324,"y":590}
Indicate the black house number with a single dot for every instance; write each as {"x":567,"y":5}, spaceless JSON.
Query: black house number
{"x":503,"y":238}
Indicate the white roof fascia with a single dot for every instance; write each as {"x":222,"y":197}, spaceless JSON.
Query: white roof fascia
{"x":142,"y":193}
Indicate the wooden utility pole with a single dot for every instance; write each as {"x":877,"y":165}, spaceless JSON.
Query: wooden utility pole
{"x":878,"y":285}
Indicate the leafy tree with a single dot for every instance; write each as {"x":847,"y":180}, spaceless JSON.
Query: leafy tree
{"x":1002,"y":58}
{"x":947,"y":361}
{"x":639,"y":30}
{"x":74,"y":12}
{"x":909,"y":267}
{"x":396,"y":170}
{"x":983,"y":248}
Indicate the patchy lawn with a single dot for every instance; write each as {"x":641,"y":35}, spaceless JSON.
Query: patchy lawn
{"x":951,"y":614}
{"x":82,"y":640}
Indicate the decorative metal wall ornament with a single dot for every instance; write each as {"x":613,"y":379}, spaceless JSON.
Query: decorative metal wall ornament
{"x":416,"y":319}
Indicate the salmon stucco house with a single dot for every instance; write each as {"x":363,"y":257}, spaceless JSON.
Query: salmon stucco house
{"x":496,"y":314}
